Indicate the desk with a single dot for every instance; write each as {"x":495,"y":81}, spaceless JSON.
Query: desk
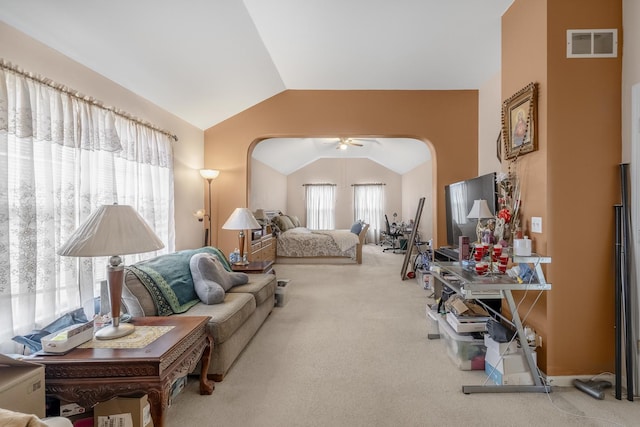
{"x":470,"y":285}
{"x":91,"y":375}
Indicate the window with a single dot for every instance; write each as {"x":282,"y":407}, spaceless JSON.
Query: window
{"x":60,"y":158}
{"x":369,"y":206}
{"x":321,"y":206}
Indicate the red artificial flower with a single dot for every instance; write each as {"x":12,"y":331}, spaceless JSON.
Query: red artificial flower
{"x":505,"y":214}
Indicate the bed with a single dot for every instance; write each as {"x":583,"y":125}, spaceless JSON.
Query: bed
{"x":300,"y":245}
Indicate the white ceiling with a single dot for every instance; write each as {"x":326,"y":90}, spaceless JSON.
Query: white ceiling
{"x":286,"y":155}
{"x":207,"y":60}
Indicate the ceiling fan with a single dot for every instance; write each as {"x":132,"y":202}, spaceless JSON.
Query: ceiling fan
{"x":344,"y":143}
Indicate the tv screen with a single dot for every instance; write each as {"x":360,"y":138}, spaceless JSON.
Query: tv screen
{"x":459,"y":198}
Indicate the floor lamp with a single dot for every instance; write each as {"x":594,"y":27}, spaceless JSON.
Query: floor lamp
{"x":110,"y":230}
{"x":209,"y":175}
{"x":241,"y":219}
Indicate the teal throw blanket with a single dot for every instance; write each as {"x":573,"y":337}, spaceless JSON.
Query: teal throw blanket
{"x":168,"y":279}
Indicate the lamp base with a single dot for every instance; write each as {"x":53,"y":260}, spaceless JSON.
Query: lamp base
{"x":112,"y":332}
{"x":241,"y":263}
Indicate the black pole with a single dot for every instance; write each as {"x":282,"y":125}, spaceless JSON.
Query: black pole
{"x":618,"y":295}
{"x":626,"y":277}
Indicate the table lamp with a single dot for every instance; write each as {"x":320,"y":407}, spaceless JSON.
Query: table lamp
{"x":479,"y":210}
{"x":112,"y":229}
{"x":241,"y":219}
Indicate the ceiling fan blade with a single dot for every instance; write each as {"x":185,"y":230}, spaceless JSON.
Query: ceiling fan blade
{"x":356,"y":144}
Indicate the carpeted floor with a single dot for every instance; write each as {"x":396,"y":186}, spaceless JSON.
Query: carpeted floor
{"x":349,"y":348}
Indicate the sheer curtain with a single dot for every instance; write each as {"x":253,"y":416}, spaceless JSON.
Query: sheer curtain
{"x":61,"y":158}
{"x":369,"y":206}
{"x":321,"y":206}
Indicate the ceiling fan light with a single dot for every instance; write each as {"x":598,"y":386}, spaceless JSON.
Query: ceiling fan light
{"x":343,"y":146}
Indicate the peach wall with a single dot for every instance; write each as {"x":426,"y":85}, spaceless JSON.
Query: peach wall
{"x":630,"y":69}
{"x":448,"y":120}
{"x":268,"y":187}
{"x":417,"y":183}
{"x":343,"y":173}
{"x":37,"y":58}
{"x":578,"y":124}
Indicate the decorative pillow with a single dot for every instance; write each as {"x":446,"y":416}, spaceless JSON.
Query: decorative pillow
{"x":294,"y":220}
{"x":203,"y":268}
{"x":209,"y":268}
{"x":356,"y":228}
{"x":283,"y":222}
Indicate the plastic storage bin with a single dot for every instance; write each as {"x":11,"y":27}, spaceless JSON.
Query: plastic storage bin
{"x":466,"y":352}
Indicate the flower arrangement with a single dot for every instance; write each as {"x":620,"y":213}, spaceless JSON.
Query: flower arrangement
{"x":507,"y":218}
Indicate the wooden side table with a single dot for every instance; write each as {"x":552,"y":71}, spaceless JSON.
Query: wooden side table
{"x":255,"y":267}
{"x":91,"y":375}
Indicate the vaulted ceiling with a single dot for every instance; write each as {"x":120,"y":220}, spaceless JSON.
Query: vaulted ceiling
{"x":207,"y":60}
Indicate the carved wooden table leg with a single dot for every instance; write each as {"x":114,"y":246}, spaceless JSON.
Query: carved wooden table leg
{"x":206,"y":386}
{"x":158,"y":401}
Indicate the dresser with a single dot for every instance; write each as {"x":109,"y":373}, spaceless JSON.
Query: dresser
{"x":262,"y":249}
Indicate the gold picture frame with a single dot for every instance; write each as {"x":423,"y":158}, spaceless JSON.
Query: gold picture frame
{"x":519,"y":118}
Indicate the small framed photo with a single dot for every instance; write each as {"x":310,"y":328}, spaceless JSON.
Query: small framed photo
{"x":519,"y":117}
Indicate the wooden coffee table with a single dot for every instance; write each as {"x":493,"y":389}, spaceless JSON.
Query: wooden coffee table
{"x":90,"y":375}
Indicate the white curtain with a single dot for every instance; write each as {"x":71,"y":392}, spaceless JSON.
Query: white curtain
{"x":369,"y":207}
{"x":321,"y":206}
{"x":61,"y":158}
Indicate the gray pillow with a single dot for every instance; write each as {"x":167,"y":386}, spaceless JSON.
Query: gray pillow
{"x":203,"y":269}
{"x":356,"y":228}
{"x":209,"y":268}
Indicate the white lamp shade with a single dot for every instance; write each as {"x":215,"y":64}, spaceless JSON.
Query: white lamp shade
{"x":260,"y":215}
{"x":480,"y":210}
{"x":241,"y":219}
{"x":209,"y":173}
{"x":112,"y":230}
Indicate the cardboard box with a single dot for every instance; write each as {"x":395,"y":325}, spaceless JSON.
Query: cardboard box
{"x":22,"y":386}
{"x":510,"y":369}
{"x":123,"y":411}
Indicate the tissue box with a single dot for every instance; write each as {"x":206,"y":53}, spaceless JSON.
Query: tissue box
{"x":68,"y":338}
{"x":22,"y":386}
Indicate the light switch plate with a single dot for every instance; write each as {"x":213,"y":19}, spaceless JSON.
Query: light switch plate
{"x":536,"y":224}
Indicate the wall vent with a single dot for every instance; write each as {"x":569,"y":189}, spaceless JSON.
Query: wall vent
{"x":592,"y":43}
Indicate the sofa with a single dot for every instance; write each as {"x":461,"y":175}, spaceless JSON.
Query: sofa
{"x":232,"y":323}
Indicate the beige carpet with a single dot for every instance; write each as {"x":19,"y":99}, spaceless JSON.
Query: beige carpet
{"x":349,"y":348}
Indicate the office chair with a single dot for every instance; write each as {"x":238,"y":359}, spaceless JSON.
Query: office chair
{"x":393,"y":236}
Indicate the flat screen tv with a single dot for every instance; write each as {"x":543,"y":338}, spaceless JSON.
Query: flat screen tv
{"x":459,"y":198}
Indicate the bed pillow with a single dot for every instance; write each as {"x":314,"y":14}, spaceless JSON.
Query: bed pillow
{"x":283,"y":222}
{"x":356,"y":228}
{"x":294,"y":220}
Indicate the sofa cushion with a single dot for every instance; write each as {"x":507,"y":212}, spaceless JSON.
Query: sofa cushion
{"x":261,"y":286}
{"x":228,"y":317}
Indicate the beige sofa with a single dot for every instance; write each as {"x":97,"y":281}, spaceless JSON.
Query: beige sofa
{"x":233,"y":323}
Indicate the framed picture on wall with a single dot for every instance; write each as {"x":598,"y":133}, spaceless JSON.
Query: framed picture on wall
{"x":499,"y":147}
{"x":519,"y":117}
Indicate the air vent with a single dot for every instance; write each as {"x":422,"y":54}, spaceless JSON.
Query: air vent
{"x":592,"y":43}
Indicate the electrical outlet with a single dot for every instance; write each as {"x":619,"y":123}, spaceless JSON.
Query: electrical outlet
{"x":536,"y":224}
